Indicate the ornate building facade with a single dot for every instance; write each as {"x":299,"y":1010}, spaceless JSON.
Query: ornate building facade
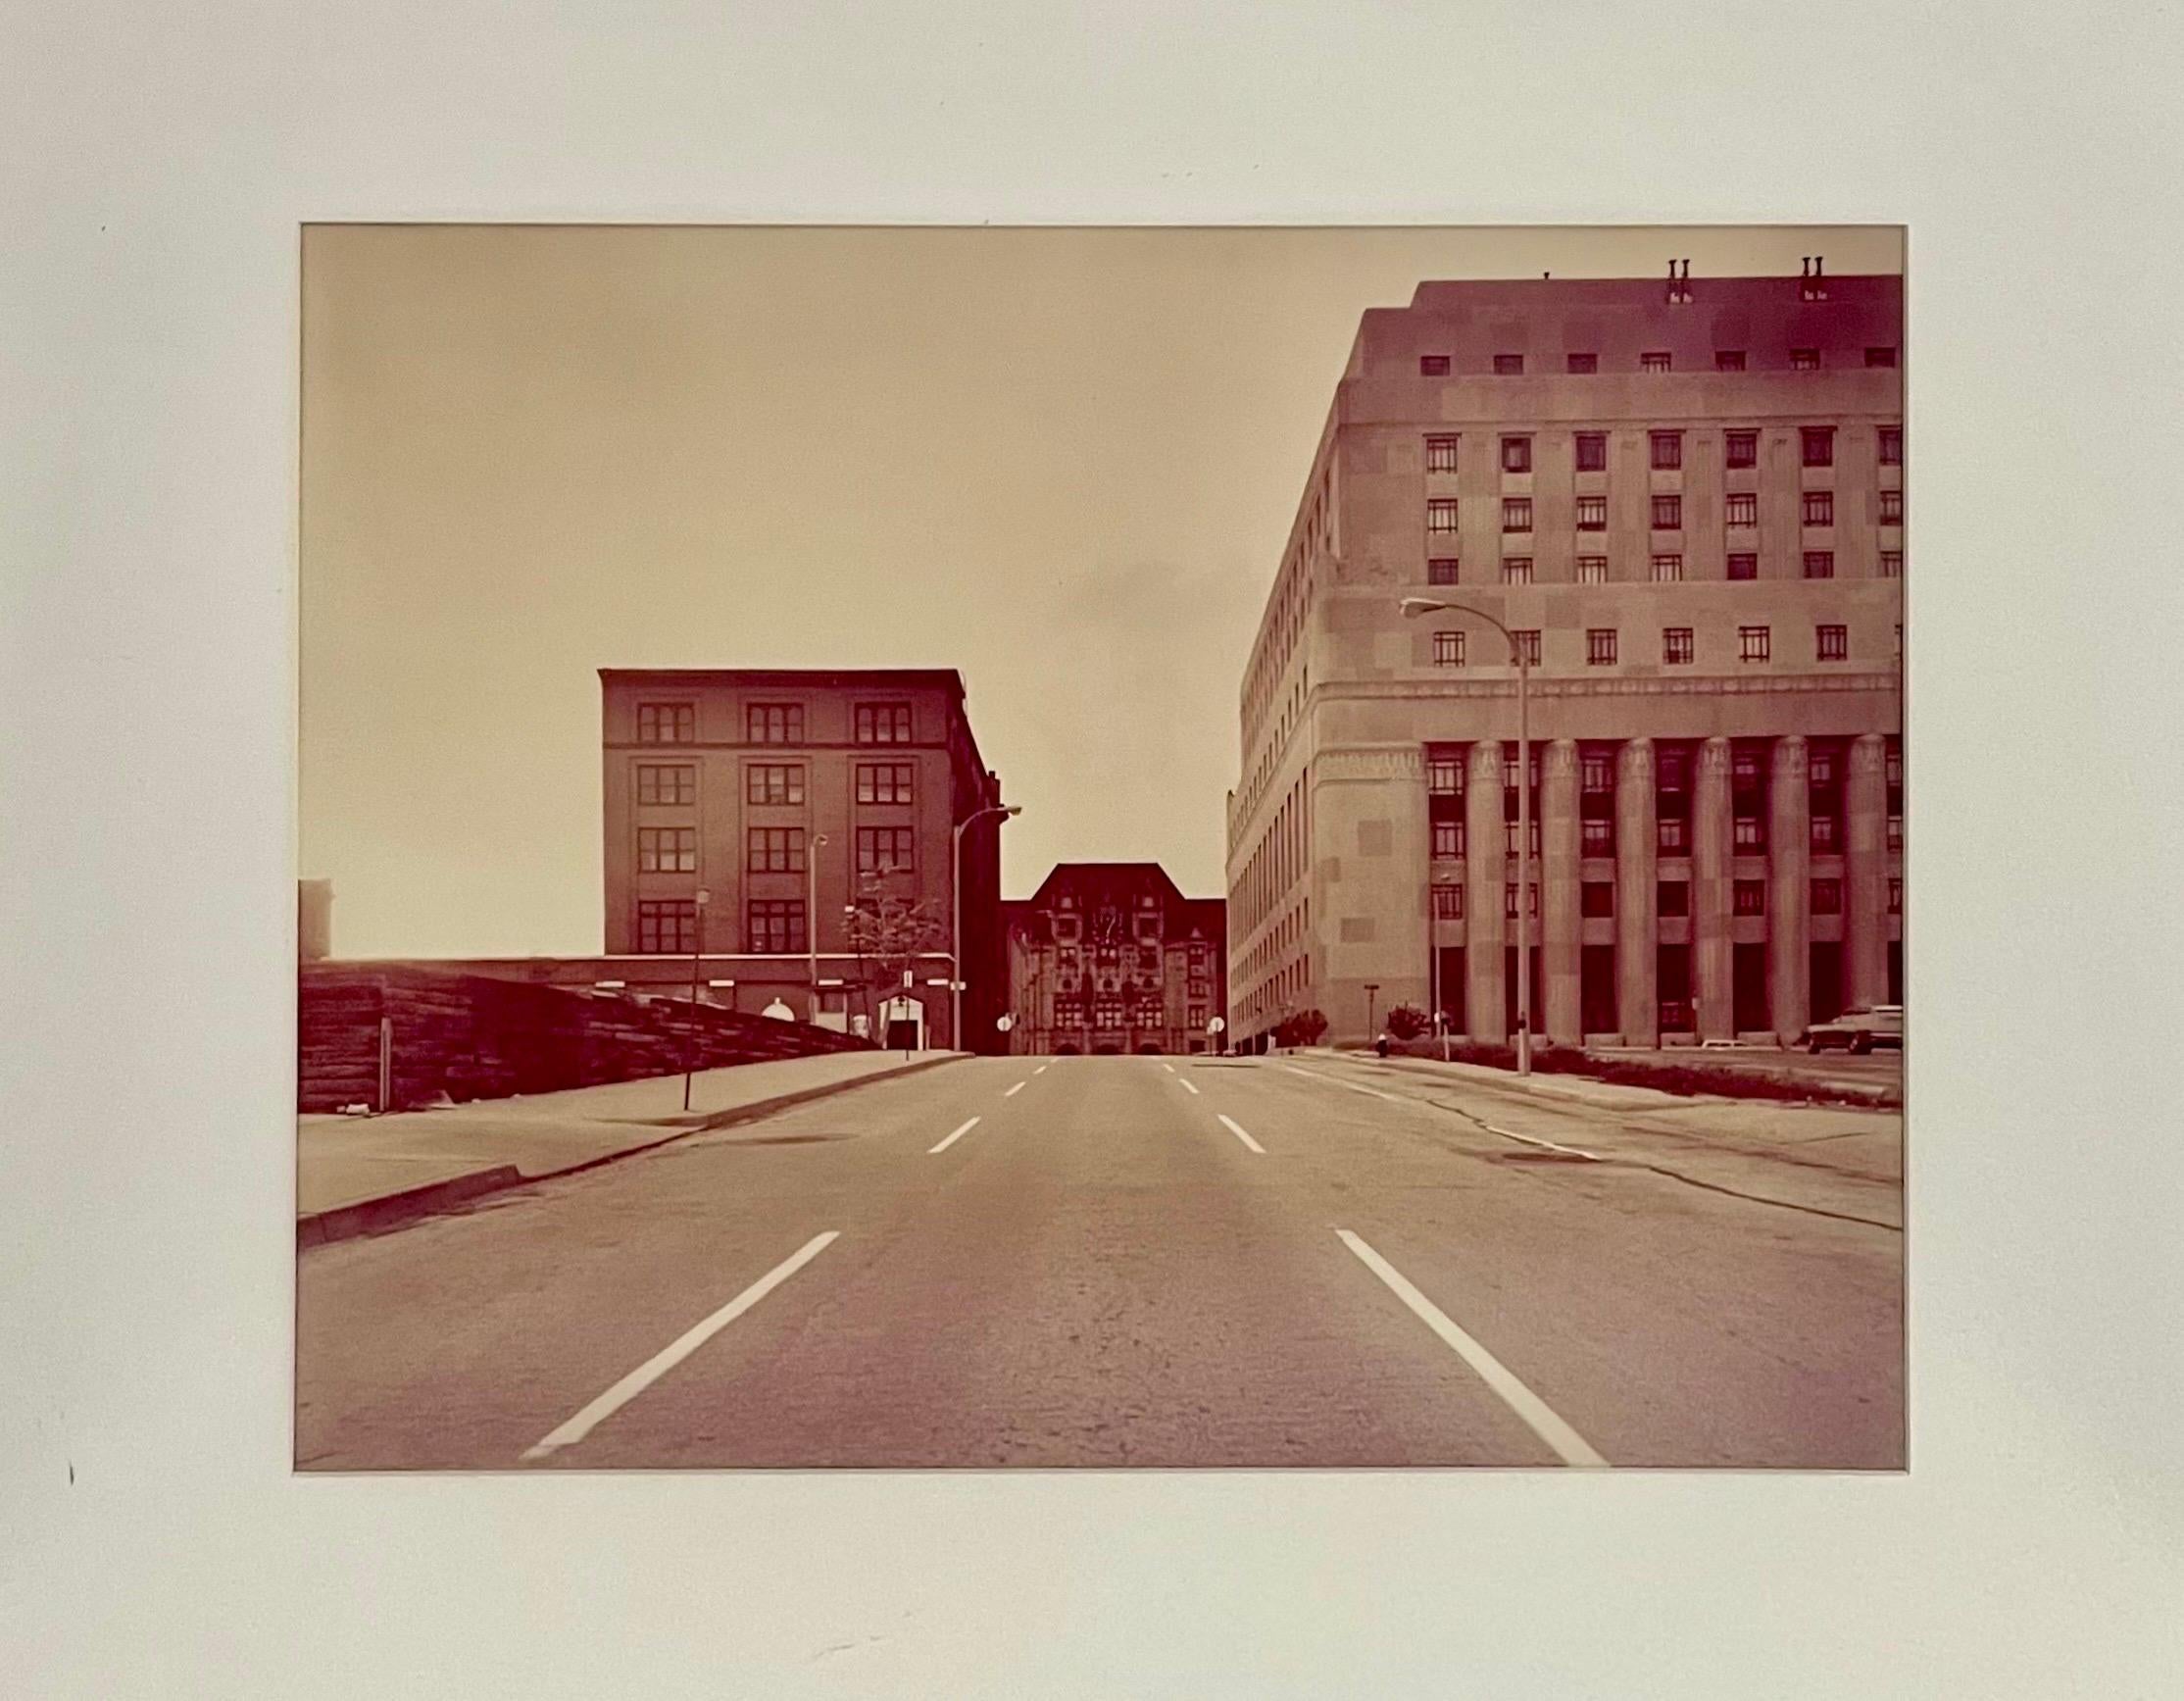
{"x":1685,"y":500}
{"x":1110,"y":957}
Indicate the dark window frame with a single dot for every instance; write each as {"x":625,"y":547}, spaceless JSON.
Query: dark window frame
{"x":763,"y":781}
{"x":651,"y":791}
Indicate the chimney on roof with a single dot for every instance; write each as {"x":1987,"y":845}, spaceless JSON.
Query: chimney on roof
{"x":1820,"y":264}
{"x":1805,"y":267}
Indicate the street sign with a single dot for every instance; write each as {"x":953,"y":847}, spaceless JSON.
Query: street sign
{"x":1004,"y":1022}
{"x":1215,"y":1026}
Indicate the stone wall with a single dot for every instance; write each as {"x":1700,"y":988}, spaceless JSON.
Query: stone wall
{"x":473,"y":1037}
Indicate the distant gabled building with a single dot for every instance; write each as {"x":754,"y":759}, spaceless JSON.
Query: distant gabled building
{"x":1110,"y":957}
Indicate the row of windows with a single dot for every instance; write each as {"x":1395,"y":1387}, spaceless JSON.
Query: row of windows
{"x":770,"y":724}
{"x":774,"y":850}
{"x":1113,"y":1013}
{"x":1816,"y":507}
{"x":1597,"y":899}
{"x":1672,"y":833}
{"x":1664,"y":568}
{"x":1725,"y":359}
{"x":773,"y":782}
{"x":1664,"y":449}
{"x":1446,"y":773}
{"x":772,"y":927}
{"x":1678,"y":645}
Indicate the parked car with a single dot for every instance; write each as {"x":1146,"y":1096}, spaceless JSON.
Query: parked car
{"x":1858,"y":1030}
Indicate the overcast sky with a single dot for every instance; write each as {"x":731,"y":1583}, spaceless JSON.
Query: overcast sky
{"x":1064,"y":462}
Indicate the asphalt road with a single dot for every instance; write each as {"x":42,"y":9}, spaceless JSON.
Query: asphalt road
{"x":1135,"y":1261}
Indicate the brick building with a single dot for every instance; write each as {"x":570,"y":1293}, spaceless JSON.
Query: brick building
{"x":1110,"y":957}
{"x":1686,"y":498}
{"x":790,"y":799}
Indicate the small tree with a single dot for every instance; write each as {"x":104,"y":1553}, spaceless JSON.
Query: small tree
{"x":1406,"y":1021}
{"x":1301,"y":1028}
{"x":888,"y":933}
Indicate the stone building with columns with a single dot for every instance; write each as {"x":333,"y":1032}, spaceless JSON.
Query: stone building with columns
{"x":1684,"y":497}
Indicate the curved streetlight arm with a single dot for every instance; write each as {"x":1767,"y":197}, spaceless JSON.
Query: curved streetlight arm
{"x":1413,"y":606}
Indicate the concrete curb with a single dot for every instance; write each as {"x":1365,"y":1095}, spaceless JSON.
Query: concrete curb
{"x":1830,"y":1097}
{"x":399,"y":1209}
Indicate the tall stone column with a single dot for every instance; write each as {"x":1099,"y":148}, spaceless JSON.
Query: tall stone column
{"x":1369,"y":804}
{"x":1562,"y":938}
{"x":1637,"y":896}
{"x":1485,"y":872}
{"x":1712,"y":962}
{"x":1790,"y":880}
{"x":1865,"y":872}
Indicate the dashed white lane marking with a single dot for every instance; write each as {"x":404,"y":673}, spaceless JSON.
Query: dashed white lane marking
{"x":1188,"y":1086}
{"x":1336,"y":1080}
{"x":953,"y":1138}
{"x":1230,"y":1126}
{"x":1568,"y":1445}
{"x":1012,"y":1092}
{"x":1169,"y":1067}
{"x":665,"y":1360}
{"x":1041,"y":1070}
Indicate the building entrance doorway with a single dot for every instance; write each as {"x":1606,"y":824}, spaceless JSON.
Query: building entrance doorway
{"x":1596,"y":998}
{"x":1749,"y":976}
{"x":901,"y":1025}
{"x":1826,"y":983}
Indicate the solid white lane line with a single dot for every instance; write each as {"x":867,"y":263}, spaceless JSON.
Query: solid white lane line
{"x":1012,"y":1092}
{"x":1241,"y":1135}
{"x":953,"y":1138}
{"x":1568,"y":1445}
{"x":1188,"y":1086}
{"x":665,"y":1360}
{"x":1336,"y":1080}
{"x":1535,"y":1140}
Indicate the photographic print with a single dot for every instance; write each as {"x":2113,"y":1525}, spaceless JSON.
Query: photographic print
{"x":972,"y":848}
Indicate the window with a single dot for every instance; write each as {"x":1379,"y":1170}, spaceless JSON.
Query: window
{"x":1832,"y":643}
{"x":1655,"y":361}
{"x":1596,"y":839}
{"x":1676,"y":646}
{"x":1805,"y":360}
{"x":1106,"y":1013}
{"x":1743,"y":448}
{"x":1509,"y":901}
{"x":1592,"y":514}
{"x":1744,"y":770}
{"x":773,"y":782}
{"x":1592,"y":570}
{"x":666,"y":722}
{"x":1819,"y":508}
{"x":1892,"y":445}
{"x":1892,"y":564}
{"x":666,"y":924}
{"x":677,"y":783}
{"x":1527,"y":638}
{"x":773,"y":723}
{"x":1672,"y":897}
{"x":1895,"y":833}
{"x":1669,"y":835}
{"x":1827,"y":897}
{"x":1195,"y":1018}
{"x":774,"y":850}
{"x":1743,"y":509}
{"x":1444,"y":776}
{"x":1433,"y":365}
{"x":1817,"y":445}
{"x":1448,"y":838}
{"x":1728,"y":360}
{"x":1592,"y":451}
{"x":1068,"y":1013}
{"x":1892,"y":769}
{"x":773,"y":927}
{"x":884,"y":782}
{"x":1744,"y":566}
{"x":1151,"y":1013}
{"x":1600,"y":646}
{"x":1508,"y":366}
{"x":1518,"y":569}
{"x":1440,"y":514}
{"x":1896,"y":897}
{"x":1880,"y":357}
{"x":1823,"y":834}
{"x":1595,"y":898}
{"x":1668,"y":449}
{"x":668,"y":850}
{"x":884,"y":850}
{"x":1516,"y":513}
{"x":1441,"y":570}
{"x":1668,"y":568}
{"x":1749,"y":897}
{"x":1517,"y":454}
{"x":1584,"y":363}
{"x":1509,"y":840}
{"x":1819,"y":564}
{"x":1448,"y":903}
{"x":883,"y":723}
{"x":1595,"y":774}
{"x":1749,"y":833}
{"x":1447,"y":649}
{"x":1668,"y":513}
{"x":1892,"y":508}
{"x":1440,"y":454}
{"x":1754,"y":643}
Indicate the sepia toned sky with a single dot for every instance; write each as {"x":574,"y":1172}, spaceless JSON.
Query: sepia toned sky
{"x":1061,"y":461}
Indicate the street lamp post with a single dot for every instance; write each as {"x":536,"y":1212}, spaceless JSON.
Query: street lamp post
{"x":954,"y":917}
{"x":696,"y":952}
{"x":1413,"y":606}
{"x":812,"y":919}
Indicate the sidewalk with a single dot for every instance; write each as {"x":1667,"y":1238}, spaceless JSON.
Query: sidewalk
{"x":356,"y":1174}
{"x":1584,"y":1090}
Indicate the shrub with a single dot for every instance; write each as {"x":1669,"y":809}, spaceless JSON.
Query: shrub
{"x":1301,"y":1028}
{"x":1406,"y":1021}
